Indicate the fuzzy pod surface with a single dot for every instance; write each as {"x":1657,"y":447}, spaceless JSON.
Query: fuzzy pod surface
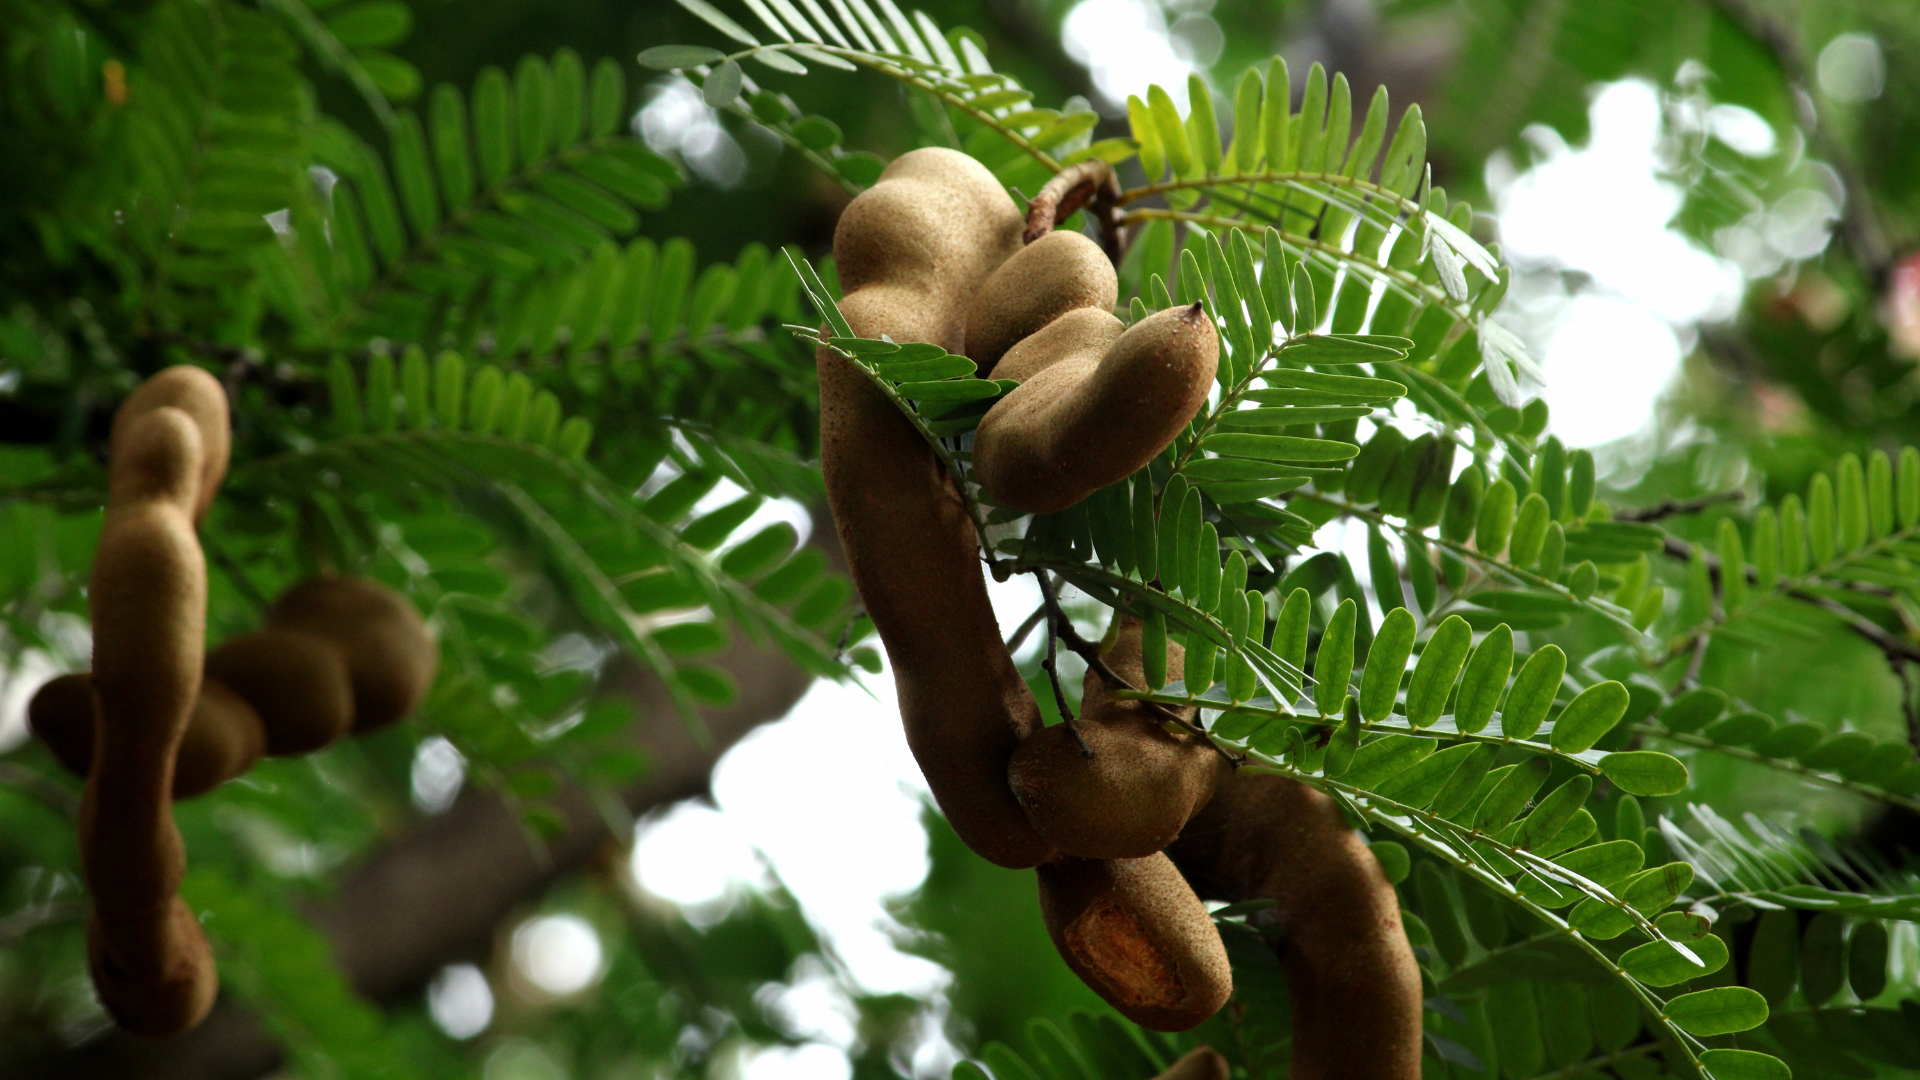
{"x":1058,"y":273}
{"x":390,"y":656}
{"x":1082,"y":420}
{"x":1134,"y":931}
{"x":912,"y":252}
{"x":224,"y":735}
{"x":1352,"y":976}
{"x":1135,"y":792}
{"x":151,"y":964}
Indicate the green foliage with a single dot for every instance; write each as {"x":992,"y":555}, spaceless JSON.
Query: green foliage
{"x":475,"y":353}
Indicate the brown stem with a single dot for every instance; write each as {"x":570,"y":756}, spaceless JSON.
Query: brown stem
{"x":1676,"y":507}
{"x":1075,"y":186}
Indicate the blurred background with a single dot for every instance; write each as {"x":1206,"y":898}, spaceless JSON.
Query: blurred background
{"x":1709,"y":205}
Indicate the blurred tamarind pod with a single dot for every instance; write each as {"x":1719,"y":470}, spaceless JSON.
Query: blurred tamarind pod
{"x":1097,"y":400}
{"x":1132,"y":790}
{"x":150,"y":961}
{"x":224,"y":735}
{"x":911,"y":252}
{"x":1134,"y":931}
{"x":390,"y":657}
{"x":276,"y":692}
{"x":1199,"y":1063}
{"x":1355,"y":987}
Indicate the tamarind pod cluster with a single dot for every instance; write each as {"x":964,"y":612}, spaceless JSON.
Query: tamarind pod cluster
{"x":932,"y":253}
{"x":1355,"y":987}
{"x":339,"y":656}
{"x":911,"y":252}
{"x":1082,"y":419}
{"x":223,"y":739}
{"x":151,"y":964}
{"x":1097,"y":400}
{"x":1199,"y":1063}
{"x":1134,"y":931}
{"x":1134,"y":792}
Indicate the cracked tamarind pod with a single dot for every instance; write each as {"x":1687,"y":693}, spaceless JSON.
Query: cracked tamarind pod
{"x":911,"y":252}
{"x":150,"y":961}
{"x":1097,"y":400}
{"x":1139,"y":779}
{"x":1135,"y":932}
{"x":1355,"y":986}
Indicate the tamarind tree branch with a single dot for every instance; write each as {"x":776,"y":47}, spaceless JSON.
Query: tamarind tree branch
{"x":1816,"y":776}
{"x":1679,"y":507}
{"x":1897,"y":649}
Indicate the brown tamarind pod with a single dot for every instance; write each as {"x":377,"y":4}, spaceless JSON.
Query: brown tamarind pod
{"x":1080,"y":421}
{"x":151,"y":964}
{"x":1355,"y":986}
{"x":297,"y":683}
{"x":198,"y":394}
{"x":1133,"y":793}
{"x":1134,"y":931}
{"x":390,"y":655}
{"x":61,"y":715}
{"x":224,"y":735}
{"x":1199,"y":1063}
{"x":1057,"y":273}
{"x":911,"y":252}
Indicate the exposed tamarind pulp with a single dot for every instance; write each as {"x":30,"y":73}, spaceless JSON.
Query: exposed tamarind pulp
{"x":1134,"y":792}
{"x":911,"y":252}
{"x":1134,"y":931}
{"x":151,"y":964}
{"x":1355,"y":986}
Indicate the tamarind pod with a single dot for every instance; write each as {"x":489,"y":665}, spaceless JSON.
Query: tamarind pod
{"x":1199,"y":1063}
{"x":390,"y":655}
{"x":1078,"y":423}
{"x":1354,"y":984}
{"x":61,"y":715}
{"x":1134,"y":931}
{"x":911,"y":251}
{"x":1141,"y":783}
{"x":197,"y":393}
{"x":151,"y":964}
{"x":297,"y":683}
{"x":223,"y":738}
{"x":1058,"y":273}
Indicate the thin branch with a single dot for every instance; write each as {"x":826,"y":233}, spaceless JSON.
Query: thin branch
{"x":1676,"y":507}
{"x":1020,"y":632}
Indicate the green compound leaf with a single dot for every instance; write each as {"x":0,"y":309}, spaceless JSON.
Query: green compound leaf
{"x":1720,"y":1011}
{"x":1660,"y":963}
{"x":1386,"y":662}
{"x":1439,"y":664}
{"x":1645,"y":772}
{"x":1589,"y":716}
{"x":1744,"y":1065}
{"x":1532,"y":693}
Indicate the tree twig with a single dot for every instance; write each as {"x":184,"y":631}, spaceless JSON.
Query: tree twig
{"x":1020,"y":632}
{"x":1677,"y":507}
